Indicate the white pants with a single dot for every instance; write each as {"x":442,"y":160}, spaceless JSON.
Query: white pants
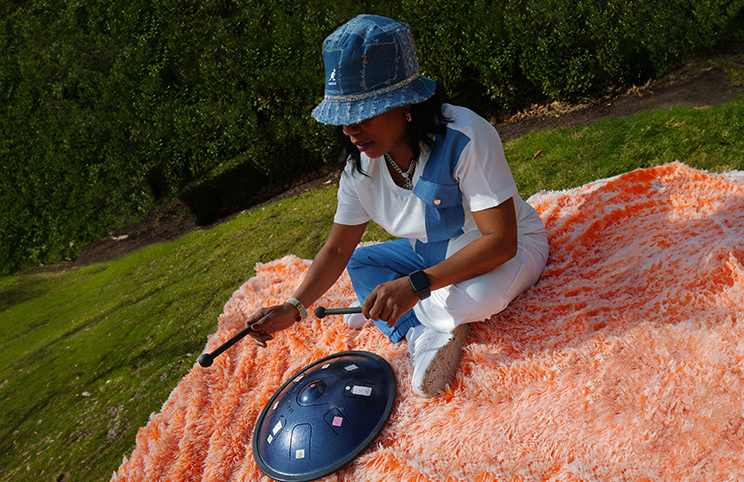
{"x":468,"y":301}
{"x":481,"y":297}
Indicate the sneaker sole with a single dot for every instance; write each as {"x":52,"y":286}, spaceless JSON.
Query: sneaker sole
{"x":444,"y":367}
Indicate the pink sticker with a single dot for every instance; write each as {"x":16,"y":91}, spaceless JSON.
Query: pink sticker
{"x":337,"y":421}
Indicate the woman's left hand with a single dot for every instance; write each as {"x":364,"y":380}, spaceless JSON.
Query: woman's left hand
{"x":389,"y":301}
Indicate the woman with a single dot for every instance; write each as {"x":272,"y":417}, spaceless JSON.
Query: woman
{"x":430,"y":173}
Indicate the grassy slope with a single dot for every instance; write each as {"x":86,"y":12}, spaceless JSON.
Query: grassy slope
{"x":86,"y":355}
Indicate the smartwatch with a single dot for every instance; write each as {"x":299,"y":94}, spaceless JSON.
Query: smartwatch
{"x":420,"y":284}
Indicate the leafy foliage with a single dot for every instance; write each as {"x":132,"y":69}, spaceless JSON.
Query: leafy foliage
{"x":108,"y":108}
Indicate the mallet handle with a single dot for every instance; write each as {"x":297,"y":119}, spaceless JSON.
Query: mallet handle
{"x":321,"y":311}
{"x":206,"y":359}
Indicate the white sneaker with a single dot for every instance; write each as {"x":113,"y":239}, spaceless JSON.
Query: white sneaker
{"x":355,"y":320}
{"x":436,"y":357}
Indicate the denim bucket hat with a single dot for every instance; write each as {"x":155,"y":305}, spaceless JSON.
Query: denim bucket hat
{"x":370,"y":68}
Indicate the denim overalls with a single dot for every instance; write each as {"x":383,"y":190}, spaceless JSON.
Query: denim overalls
{"x":372,"y":265}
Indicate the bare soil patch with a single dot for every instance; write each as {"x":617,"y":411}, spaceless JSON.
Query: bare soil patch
{"x":697,"y":83}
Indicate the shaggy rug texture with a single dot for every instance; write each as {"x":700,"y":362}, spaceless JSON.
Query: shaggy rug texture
{"x":624,"y":362}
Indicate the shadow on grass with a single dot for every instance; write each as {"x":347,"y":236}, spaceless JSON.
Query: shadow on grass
{"x":23,"y":289}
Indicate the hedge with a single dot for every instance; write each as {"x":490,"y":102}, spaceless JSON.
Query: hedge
{"x":108,"y":108}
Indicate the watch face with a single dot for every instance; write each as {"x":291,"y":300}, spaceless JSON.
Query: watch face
{"x":419,"y":281}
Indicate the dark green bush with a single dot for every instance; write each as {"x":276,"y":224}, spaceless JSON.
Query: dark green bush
{"x":110,"y":107}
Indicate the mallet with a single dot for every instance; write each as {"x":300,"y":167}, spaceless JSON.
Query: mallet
{"x":207,"y":358}
{"x":321,"y":311}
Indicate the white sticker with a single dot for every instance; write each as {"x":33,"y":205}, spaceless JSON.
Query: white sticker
{"x":325,"y":366}
{"x":271,"y":438}
{"x":363,"y":391}
{"x":300,"y":454}
{"x":351,"y":368}
{"x":277,"y":427}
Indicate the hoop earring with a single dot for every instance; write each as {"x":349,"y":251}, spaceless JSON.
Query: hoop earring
{"x":408,"y":115}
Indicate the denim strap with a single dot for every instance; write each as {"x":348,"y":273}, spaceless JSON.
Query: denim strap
{"x":440,"y":192}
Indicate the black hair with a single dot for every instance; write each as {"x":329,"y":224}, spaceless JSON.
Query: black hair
{"x":426,"y":119}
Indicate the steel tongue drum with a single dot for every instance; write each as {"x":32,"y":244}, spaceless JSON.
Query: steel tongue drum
{"x":324,"y":417}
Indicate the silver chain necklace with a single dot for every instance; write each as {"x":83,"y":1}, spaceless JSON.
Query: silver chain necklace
{"x":408,"y":175}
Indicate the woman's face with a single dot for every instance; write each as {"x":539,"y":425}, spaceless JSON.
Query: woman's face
{"x":386,"y":133}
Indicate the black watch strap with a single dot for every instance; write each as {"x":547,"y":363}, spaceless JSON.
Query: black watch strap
{"x":420,"y":284}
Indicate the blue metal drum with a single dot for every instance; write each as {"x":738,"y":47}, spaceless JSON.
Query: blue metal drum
{"x":324,"y":416}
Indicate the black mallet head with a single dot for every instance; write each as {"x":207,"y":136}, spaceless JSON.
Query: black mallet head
{"x":206,"y":360}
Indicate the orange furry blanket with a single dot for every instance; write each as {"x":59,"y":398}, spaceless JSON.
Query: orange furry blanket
{"x":624,"y":362}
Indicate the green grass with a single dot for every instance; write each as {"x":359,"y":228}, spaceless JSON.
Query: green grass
{"x":709,"y":139}
{"x":87,"y":354}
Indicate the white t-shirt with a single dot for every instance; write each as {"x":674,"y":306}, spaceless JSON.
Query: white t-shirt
{"x":482,"y":173}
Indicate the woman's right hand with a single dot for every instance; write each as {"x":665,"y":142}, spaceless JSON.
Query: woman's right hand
{"x":267,"y":321}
